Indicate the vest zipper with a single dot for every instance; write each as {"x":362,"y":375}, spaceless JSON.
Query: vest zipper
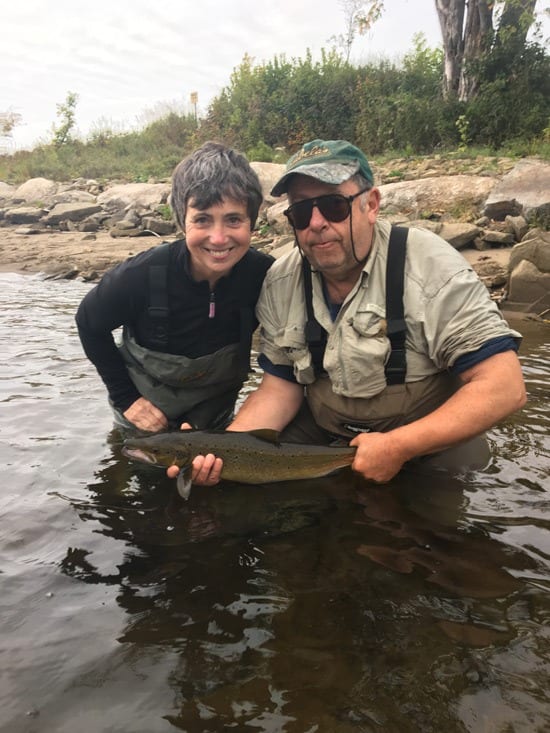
{"x":212,"y":305}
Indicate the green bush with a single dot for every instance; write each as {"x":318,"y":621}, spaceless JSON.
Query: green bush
{"x":270,"y":109}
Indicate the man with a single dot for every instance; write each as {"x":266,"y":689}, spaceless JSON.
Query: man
{"x":402,"y":352}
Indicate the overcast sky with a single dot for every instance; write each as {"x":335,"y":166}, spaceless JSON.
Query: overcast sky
{"x":123,"y":57}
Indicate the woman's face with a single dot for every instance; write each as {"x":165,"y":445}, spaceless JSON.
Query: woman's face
{"x":217,"y":238}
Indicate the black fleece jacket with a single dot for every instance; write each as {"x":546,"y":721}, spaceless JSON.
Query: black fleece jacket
{"x":121,"y":298}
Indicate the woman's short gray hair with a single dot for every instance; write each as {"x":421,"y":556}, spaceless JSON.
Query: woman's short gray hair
{"x":211,"y":173}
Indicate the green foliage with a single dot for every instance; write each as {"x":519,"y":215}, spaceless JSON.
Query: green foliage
{"x":513,"y":100}
{"x":66,"y":112}
{"x":261,"y":153}
{"x":284,"y":103}
{"x":462,"y":125}
{"x":270,"y":109}
{"x":165,"y":211}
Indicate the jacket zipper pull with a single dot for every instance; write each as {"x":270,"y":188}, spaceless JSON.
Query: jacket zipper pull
{"x":212,"y":306}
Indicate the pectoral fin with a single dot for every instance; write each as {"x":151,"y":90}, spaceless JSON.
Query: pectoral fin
{"x":183,"y":482}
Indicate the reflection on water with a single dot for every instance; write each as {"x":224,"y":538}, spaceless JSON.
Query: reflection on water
{"x":327,"y":605}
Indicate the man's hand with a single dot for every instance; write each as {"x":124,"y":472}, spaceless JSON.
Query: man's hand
{"x":145,"y":416}
{"x":379,"y":457}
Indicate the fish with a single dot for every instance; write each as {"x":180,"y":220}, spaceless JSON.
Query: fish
{"x":253,"y":457}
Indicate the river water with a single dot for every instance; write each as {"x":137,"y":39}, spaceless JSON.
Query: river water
{"x":328,"y":605}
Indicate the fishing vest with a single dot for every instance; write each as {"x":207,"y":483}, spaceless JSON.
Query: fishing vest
{"x":201,"y":391}
{"x":316,"y":336}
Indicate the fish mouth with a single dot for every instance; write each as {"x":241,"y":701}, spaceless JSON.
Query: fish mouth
{"x":138,"y":455}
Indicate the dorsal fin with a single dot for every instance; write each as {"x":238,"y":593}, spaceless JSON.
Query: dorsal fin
{"x":267,"y":434}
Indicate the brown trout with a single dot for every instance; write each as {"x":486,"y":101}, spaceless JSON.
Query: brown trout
{"x":249,"y":458}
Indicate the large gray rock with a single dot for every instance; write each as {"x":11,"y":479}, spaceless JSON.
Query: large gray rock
{"x":459,"y":234}
{"x":71,"y":196}
{"x":71,"y":212}
{"x":524,"y":190}
{"x":518,"y":226}
{"x":24,"y":215}
{"x":277,"y":220}
{"x":437,"y":194}
{"x":269,"y":174}
{"x":535,"y":249}
{"x":6,"y":191}
{"x":158,"y":226}
{"x":35,"y":190}
{"x":124,"y":195}
{"x":528,"y":284}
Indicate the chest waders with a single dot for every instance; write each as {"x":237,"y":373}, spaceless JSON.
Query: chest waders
{"x":400,"y":402}
{"x":325,"y":416}
{"x":201,"y":391}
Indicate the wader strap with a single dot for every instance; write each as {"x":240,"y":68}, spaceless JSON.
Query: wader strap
{"x":396,"y":367}
{"x":159,"y":310}
{"x":316,"y":336}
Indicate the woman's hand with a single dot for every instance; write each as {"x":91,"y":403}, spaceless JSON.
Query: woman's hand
{"x":145,"y":416}
{"x":206,"y":469}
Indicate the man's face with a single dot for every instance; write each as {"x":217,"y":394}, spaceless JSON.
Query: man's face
{"x":327,"y":244}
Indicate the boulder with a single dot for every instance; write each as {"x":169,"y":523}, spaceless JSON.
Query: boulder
{"x":269,"y":174}
{"x":157,"y":225}
{"x":528,"y":284}
{"x":524,"y":190}
{"x":71,"y":212}
{"x":535,"y":249}
{"x":35,"y":189}
{"x":277,"y":220}
{"x":518,"y":226}
{"x":72,"y":196}
{"x":428,"y":195}
{"x":6,"y":191}
{"x":459,"y":234}
{"x":498,"y":238}
{"x":24,"y":215}
{"x":123,"y":195}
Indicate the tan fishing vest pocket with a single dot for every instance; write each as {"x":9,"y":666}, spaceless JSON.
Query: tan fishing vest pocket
{"x":362,"y":345}
{"x":293,"y":343}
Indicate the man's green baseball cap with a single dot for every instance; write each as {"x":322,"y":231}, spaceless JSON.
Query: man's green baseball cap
{"x":330,"y":161}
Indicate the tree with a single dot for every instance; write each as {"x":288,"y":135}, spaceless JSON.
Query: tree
{"x":471,"y":30}
{"x":360,"y":16}
{"x":63,"y":134}
{"x":8,"y":120}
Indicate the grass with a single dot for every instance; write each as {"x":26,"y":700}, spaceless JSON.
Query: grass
{"x":139,"y":157}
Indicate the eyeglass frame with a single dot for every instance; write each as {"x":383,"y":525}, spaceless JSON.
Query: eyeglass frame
{"x":314,"y":202}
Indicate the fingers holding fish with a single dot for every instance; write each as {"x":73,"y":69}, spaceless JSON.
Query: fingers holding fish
{"x":206,"y":470}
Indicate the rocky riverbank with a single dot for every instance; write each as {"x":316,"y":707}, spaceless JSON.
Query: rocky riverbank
{"x":494,"y":210}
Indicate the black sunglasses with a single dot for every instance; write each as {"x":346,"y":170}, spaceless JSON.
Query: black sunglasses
{"x":334,"y":207}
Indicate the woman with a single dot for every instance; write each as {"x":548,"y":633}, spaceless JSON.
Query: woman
{"x":187,"y":307}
